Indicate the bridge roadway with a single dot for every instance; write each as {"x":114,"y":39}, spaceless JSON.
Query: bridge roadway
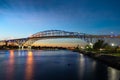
{"x":54,"y":34}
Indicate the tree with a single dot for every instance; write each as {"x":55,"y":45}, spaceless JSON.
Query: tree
{"x":100,"y":44}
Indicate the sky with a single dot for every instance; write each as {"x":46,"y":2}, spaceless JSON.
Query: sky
{"x":22,"y":18}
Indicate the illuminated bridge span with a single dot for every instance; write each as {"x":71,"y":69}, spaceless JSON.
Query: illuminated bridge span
{"x":53,"y":34}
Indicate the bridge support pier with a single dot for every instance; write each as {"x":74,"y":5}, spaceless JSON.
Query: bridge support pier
{"x":21,"y":47}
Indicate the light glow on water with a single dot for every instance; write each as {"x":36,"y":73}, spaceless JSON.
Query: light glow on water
{"x":10,"y":66}
{"x":113,"y":74}
{"x":29,"y":66}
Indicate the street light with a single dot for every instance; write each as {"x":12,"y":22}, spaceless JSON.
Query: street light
{"x":91,"y":45}
{"x":112,"y":44}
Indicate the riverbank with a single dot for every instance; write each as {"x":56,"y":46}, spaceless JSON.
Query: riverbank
{"x":108,"y":59}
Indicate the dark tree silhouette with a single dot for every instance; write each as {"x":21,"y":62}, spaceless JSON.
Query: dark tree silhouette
{"x":100,"y":44}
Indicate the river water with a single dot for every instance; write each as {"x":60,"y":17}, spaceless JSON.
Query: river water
{"x":52,"y":65}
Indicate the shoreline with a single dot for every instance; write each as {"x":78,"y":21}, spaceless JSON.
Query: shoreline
{"x":112,"y":61}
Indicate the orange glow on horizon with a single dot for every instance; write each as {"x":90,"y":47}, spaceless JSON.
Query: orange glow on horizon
{"x":60,"y":42}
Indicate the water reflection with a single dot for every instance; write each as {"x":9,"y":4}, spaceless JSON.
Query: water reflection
{"x":113,"y":74}
{"x":10,"y":66}
{"x":87,"y":68}
{"x":43,"y":65}
{"x":19,"y":53}
{"x":94,"y":65}
{"x":82,"y":66}
{"x":29,"y":66}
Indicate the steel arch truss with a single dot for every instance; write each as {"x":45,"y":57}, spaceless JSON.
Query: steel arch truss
{"x":56,"y":33}
{"x":29,"y":42}
{"x":19,"y":42}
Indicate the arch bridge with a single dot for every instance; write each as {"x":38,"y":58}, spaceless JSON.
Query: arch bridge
{"x":53,"y":34}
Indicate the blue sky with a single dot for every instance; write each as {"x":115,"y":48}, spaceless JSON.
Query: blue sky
{"x":20,"y":18}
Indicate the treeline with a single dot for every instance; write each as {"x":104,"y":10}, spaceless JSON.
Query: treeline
{"x":47,"y":47}
{"x":32,"y":47}
{"x":102,"y":46}
{"x":8,"y":47}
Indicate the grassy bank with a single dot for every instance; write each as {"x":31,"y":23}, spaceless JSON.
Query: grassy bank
{"x":116,"y":54}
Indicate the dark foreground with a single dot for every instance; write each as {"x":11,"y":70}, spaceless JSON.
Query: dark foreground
{"x":108,"y":59}
{"x":52,"y":65}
